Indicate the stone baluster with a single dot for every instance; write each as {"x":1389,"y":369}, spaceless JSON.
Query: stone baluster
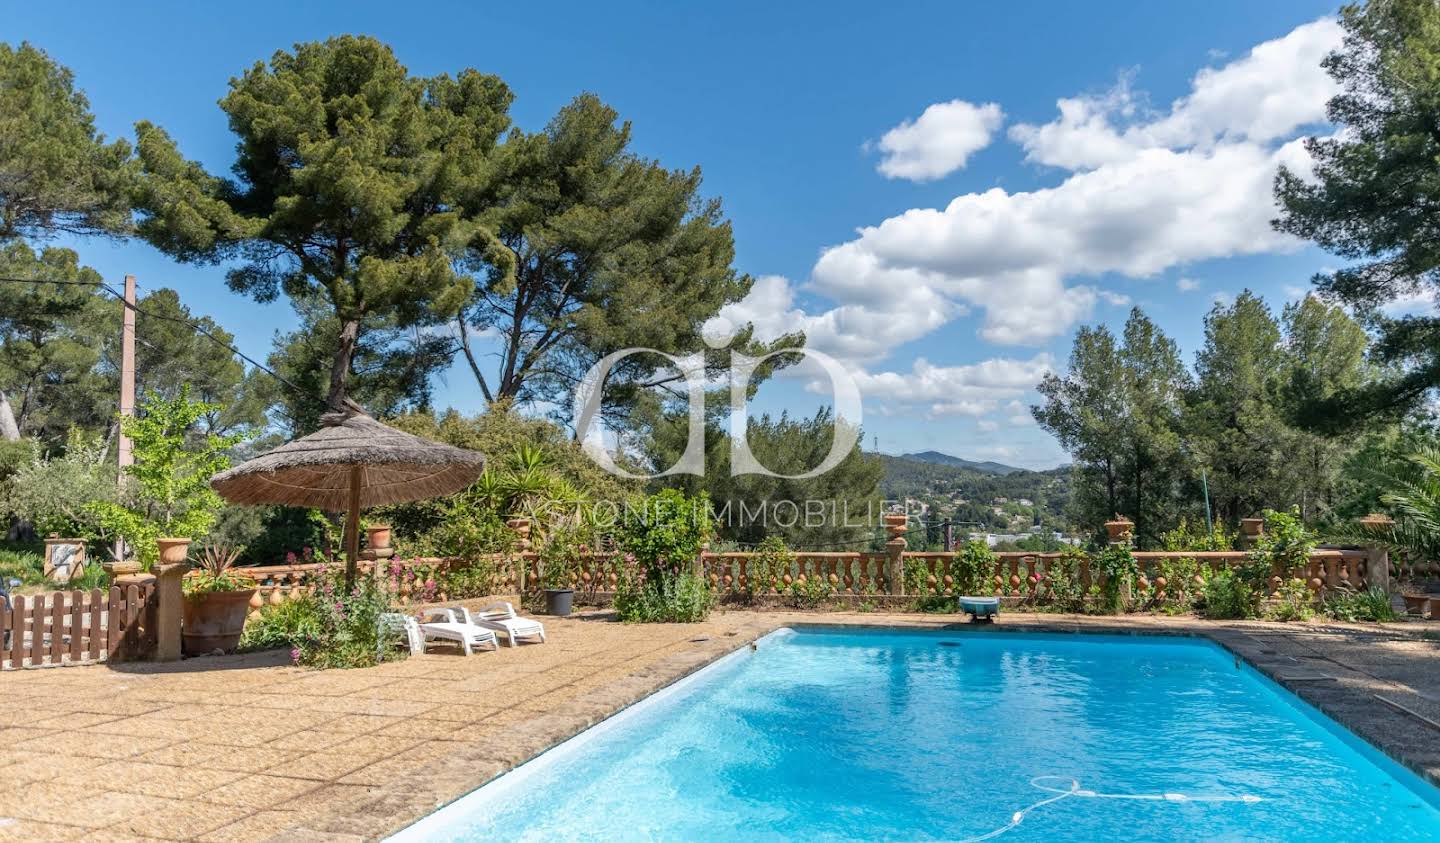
{"x":895,"y":528}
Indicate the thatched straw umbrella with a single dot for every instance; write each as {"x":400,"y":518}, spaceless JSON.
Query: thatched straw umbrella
{"x":352,"y":462}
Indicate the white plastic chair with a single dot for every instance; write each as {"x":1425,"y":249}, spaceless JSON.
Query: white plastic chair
{"x":501,"y":617}
{"x":445,"y":628}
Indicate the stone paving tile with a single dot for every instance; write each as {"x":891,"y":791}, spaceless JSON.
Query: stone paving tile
{"x":112,"y":835}
{"x":187,"y":754}
{"x":78,"y":804}
{"x":94,"y":745}
{"x":252,"y":760}
{"x":322,"y":766}
{"x":15,"y":829}
{"x":31,"y":767}
{"x":162,"y":779}
{"x":76,"y":720}
{"x":256,"y":826}
{"x":263,"y":791}
{"x":180,"y":820}
{"x":310,"y":740}
{"x":414,"y":727}
{"x":16,"y":736}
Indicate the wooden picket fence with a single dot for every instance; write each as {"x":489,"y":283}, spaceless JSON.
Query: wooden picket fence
{"x":77,"y":627}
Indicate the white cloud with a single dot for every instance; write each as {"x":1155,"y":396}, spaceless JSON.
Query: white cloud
{"x":1019,"y":414}
{"x":856,"y":332}
{"x":1147,"y":193}
{"x":939,"y":141}
{"x":995,"y":452}
{"x":1265,"y":96}
{"x":1222,"y":298}
{"x":1141,"y":193}
{"x":974,"y":389}
{"x":1420,"y":303}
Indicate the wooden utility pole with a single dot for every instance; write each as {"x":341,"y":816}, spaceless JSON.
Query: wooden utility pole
{"x":127,"y":372}
{"x":127,"y":390}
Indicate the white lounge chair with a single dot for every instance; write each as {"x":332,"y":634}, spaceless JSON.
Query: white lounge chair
{"x":444,"y":627}
{"x":501,"y":617}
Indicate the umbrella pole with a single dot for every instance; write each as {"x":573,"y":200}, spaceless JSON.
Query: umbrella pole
{"x":352,"y":529}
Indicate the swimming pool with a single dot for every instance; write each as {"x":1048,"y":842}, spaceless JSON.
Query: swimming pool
{"x":880,"y":735}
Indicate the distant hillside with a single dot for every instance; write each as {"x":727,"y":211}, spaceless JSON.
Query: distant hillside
{"x":937,"y":458}
{"x":909,"y":478}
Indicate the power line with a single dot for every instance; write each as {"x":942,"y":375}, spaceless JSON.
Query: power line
{"x":194,"y":326}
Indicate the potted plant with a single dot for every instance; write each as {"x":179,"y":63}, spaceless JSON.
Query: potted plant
{"x":1119,"y":529}
{"x":560,"y":564}
{"x":217,"y":601}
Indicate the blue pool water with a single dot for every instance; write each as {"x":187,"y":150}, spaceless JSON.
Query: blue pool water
{"x":830,"y":735}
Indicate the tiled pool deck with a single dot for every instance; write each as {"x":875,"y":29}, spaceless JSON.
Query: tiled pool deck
{"x":249,"y":748}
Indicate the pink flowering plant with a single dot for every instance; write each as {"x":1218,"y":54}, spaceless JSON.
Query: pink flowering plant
{"x":416,"y":581}
{"x":334,"y":626}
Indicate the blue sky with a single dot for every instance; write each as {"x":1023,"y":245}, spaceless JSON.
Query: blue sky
{"x":900,"y":175}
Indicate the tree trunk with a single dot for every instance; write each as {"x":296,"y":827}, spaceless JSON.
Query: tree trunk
{"x":340,"y":369}
{"x":9,"y":430}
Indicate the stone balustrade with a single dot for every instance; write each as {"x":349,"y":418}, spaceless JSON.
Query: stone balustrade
{"x":1021,"y":575}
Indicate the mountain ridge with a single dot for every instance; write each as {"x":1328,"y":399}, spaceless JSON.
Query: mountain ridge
{"x":939,"y":458}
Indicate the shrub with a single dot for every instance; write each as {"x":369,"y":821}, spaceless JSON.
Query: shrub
{"x":53,"y":493}
{"x":26,"y":566}
{"x":670,"y":531}
{"x":972,"y":568}
{"x":1118,"y":570}
{"x":278,"y":535}
{"x":347,"y":629}
{"x":91,"y":576}
{"x":1351,"y":606}
{"x":665,"y":541}
{"x":1229,"y":596}
{"x":1293,"y":601}
{"x":772,"y":560}
{"x":1179,"y":575}
{"x":1186,"y":536}
{"x":679,"y":599}
{"x":470,"y":578}
{"x":562,"y":557}
{"x":289,"y":624}
{"x":415,"y":582}
{"x":810,"y":592}
{"x":1283,"y":547}
{"x":1062,"y":581}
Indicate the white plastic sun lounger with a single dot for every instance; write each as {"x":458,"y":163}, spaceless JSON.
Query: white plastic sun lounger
{"x":444,"y":628}
{"x":501,"y":617}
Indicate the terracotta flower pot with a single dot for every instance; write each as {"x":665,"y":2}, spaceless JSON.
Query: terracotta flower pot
{"x":214,"y":621}
{"x":1252,"y":527}
{"x":377,"y":537}
{"x":1120,"y":529}
{"x":173,"y":551}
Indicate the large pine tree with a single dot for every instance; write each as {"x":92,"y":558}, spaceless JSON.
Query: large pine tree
{"x":1375,"y":197}
{"x":354,"y":181}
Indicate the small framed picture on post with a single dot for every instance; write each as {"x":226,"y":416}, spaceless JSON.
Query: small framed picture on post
{"x":64,"y":559}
